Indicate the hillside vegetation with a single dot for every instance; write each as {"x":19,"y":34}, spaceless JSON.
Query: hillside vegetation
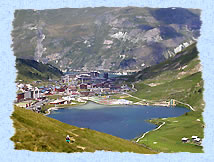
{"x":177,"y":78}
{"x":37,"y":132}
{"x":29,"y":70}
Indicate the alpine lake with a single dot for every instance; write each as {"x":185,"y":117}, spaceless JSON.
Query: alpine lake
{"x":124,"y":121}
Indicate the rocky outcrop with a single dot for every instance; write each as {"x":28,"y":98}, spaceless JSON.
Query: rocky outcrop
{"x":104,"y":38}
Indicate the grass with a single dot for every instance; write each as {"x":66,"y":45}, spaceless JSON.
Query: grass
{"x":29,"y":70}
{"x":188,"y":88}
{"x":168,"y":137}
{"x":185,"y":90}
{"x":47,"y":106}
{"x":37,"y":132}
{"x":132,"y":99}
{"x":23,"y":104}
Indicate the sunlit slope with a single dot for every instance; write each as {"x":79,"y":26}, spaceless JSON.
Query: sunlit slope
{"x":177,"y":78}
{"x":36,"y":132}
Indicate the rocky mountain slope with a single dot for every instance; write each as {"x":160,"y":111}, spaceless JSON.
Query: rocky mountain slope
{"x":103,"y":38}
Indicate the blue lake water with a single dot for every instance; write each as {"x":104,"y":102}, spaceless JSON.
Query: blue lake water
{"x":124,"y":121}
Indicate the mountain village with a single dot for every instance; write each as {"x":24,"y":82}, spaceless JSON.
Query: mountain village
{"x":71,"y":89}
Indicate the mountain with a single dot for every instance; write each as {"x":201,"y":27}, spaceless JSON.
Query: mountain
{"x":103,"y":38}
{"x":176,"y":78}
{"x":29,"y":70}
{"x":37,"y":132}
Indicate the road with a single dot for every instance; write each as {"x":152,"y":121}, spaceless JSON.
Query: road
{"x":37,"y":104}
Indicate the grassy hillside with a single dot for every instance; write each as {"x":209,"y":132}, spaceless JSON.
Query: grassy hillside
{"x":168,"y":137}
{"x":177,"y":78}
{"x":29,"y":70}
{"x":36,"y":132}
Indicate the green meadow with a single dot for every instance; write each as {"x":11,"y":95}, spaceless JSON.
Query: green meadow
{"x":37,"y":132}
{"x":168,"y":137}
{"x":178,"y":78}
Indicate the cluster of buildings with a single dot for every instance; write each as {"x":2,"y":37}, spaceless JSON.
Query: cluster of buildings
{"x":93,"y":84}
{"x":194,"y":139}
{"x":26,"y":92}
{"x":72,"y":87}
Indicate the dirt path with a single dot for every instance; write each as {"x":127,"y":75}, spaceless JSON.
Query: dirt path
{"x":186,"y":104}
{"x":150,"y":131}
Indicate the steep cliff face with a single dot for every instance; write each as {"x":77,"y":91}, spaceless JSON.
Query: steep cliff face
{"x":103,"y":38}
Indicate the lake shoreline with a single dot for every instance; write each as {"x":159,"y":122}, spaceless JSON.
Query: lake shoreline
{"x":154,"y":114}
{"x":63,"y":107}
{"x":136,"y":139}
{"x":137,"y":103}
{"x":141,"y":137}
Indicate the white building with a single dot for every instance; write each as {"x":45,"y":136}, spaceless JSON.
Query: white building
{"x":122,"y":102}
{"x":36,"y":93}
{"x":184,"y":139}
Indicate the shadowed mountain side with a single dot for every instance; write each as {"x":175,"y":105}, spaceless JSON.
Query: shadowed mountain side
{"x":29,"y":70}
